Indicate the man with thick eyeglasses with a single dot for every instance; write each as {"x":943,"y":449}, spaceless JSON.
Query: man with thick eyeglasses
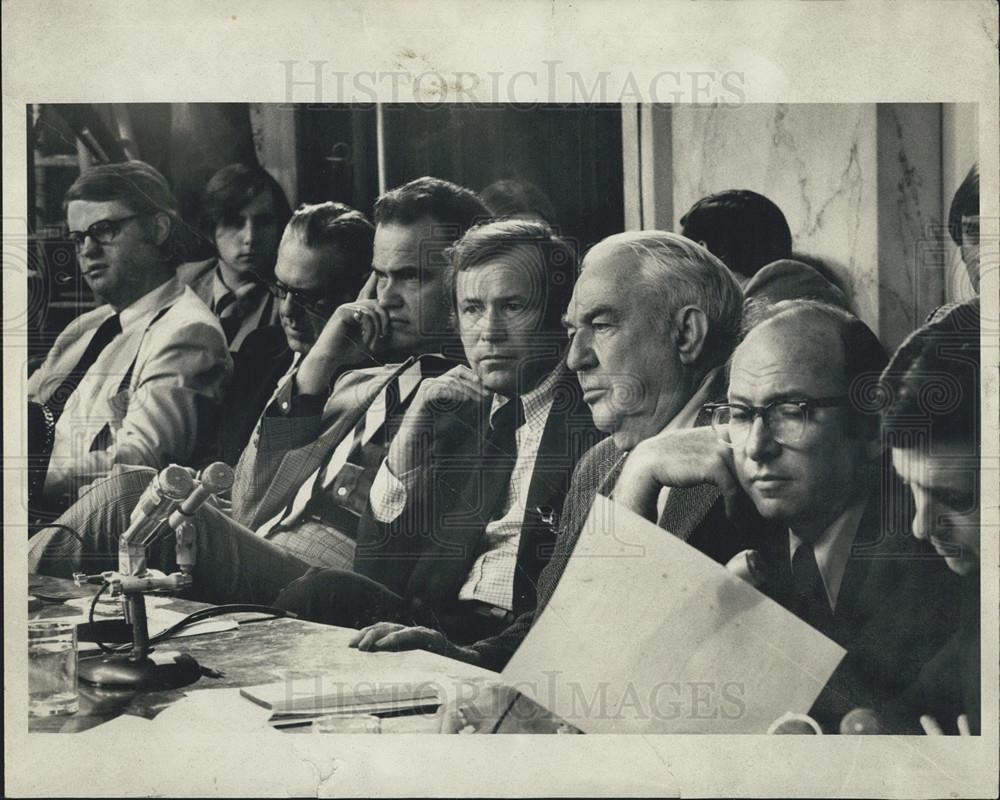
{"x":130,"y":381}
{"x":799,"y":436}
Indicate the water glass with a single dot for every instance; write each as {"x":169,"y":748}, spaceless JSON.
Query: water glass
{"x":52,"y":687}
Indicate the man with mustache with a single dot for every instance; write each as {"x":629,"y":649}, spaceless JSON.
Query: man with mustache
{"x":131,"y":381}
{"x":652,"y":320}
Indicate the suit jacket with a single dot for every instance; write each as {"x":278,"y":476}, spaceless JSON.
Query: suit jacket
{"x":426,"y":554}
{"x":696,"y":514}
{"x":895,"y":609}
{"x":146,"y":397}
{"x":285,"y":451}
{"x":257,"y":369}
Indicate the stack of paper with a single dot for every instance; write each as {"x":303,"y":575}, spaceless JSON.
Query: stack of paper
{"x":644,"y":634}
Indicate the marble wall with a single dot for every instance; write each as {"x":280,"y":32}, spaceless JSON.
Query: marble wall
{"x":860,"y":185}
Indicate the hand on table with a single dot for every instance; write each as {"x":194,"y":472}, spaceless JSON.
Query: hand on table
{"x":394,"y":636}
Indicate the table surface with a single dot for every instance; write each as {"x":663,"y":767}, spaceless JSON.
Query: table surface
{"x":259,"y":651}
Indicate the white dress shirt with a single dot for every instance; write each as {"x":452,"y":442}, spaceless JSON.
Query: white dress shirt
{"x":833,"y":549}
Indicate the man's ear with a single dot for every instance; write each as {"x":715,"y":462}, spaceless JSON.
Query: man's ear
{"x":161,"y":226}
{"x":690,"y":333}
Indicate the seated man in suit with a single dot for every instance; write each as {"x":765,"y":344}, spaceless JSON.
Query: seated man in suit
{"x":457,"y":538}
{"x":794,"y":437}
{"x":243,"y":212}
{"x":652,"y":320}
{"x":326,"y":250}
{"x":936,"y":451}
{"x":302,"y":482}
{"x":133,"y":380}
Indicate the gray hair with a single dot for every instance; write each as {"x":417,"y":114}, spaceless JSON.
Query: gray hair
{"x":679,"y":272}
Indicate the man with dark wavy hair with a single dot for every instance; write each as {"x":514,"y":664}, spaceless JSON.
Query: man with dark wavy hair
{"x":243,"y":212}
{"x":933,"y":426}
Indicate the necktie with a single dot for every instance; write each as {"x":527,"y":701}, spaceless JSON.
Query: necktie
{"x":102,"y":337}
{"x":500,"y":453}
{"x":807,"y":583}
{"x":227,"y":310}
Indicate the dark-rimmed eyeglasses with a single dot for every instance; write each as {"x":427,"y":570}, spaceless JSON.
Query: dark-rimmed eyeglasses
{"x":785,"y":420}
{"x":314,"y":302}
{"x":103,"y":231}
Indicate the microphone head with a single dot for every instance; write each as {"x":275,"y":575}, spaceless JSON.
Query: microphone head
{"x":795,"y":724}
{"x":217,"y":477}
{"x":859,"y":722}
{"x":175,"y":483}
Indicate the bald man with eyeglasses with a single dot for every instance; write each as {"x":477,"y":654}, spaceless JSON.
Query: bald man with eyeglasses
{"x":799,"y":437}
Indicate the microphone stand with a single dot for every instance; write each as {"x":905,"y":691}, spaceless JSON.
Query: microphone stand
{"x":173,"y":500}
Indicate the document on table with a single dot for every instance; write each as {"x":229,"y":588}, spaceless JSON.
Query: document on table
{"x":644,"y":634}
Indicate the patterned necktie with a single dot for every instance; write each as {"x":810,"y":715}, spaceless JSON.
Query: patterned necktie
{"x":810,"y":595}
{"x":102,"y":337}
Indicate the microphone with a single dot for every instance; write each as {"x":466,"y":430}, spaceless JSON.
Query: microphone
{"x":860,"y":722}
{"x":214,"y":478}
{"x":789,"y":723}
{"x":168,"y":487}
{"x":750,"y":566}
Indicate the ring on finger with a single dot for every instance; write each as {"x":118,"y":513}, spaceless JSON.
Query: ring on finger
{"x":358,"y":315}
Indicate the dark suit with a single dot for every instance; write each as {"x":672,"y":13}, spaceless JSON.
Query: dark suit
{"x":421,"y":560}
{"x":426,"y":554}
{"x":895,"y":609}
{"x":949,"y":685}
{"x":696,"y":515}
{"x":257,"y":368}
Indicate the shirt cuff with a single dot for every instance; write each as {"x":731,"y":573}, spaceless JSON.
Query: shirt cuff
{"x":289,"y":403}
{"x":388,"y":493}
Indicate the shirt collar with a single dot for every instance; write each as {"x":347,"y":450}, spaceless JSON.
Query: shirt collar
{"x":220,"y":288}
{"x":833,"y":548}
{"x":535,"y":402}
{"x":150,"y":302}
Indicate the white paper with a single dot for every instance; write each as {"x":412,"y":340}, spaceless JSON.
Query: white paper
{"x":644,"y":634}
